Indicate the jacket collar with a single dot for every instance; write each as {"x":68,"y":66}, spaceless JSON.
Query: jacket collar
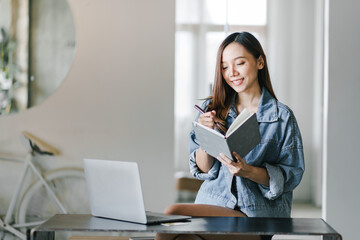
{"x":267,"y":110}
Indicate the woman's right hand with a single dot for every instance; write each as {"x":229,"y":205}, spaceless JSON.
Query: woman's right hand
{"x":208,"y":119}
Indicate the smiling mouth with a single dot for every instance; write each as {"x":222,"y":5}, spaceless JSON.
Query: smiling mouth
{"x":238,"y":82}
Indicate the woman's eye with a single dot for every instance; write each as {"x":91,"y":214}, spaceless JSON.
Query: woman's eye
{"x":242,"y":63}
{"x":224,"y":68}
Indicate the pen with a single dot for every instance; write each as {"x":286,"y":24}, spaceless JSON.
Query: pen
{"x":199,"y":108}
{"x":202,"y":111}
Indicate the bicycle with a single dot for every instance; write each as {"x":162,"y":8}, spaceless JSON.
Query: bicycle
{"x":60,"y":190}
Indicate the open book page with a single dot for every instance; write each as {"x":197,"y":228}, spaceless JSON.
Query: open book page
{"x":209,"y":129}
{"x":240,"y":119}
{"x":211,"y":141}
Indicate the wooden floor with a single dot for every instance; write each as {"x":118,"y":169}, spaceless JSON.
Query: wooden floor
{"x":305,"y":210}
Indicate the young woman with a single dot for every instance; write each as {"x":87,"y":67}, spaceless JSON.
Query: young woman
{"x":261,"y":183}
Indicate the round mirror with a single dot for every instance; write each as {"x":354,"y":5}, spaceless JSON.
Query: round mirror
{"x":37,"y":48}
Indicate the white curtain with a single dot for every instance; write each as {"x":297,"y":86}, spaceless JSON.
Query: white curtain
{"x":295,"y":57}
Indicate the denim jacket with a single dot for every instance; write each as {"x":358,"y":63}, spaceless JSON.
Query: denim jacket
{"x":280,"y":152}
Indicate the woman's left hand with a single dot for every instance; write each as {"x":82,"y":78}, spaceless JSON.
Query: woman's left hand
{"x":242,"y":169}
{"x":239,"y":168}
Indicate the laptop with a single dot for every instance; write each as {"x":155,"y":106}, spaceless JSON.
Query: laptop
{"x":114,"y":190}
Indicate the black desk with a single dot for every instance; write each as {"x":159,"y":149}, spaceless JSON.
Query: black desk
{"x":206,"y":225}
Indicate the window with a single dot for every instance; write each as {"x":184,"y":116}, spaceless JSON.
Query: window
{"x":201,"y":25}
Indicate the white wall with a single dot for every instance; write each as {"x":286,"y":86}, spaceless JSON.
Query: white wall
{"x":117,"y":101}
{"x":342,"y":165}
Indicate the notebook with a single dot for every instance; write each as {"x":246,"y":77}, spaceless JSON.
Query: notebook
{"x":114,"y":190}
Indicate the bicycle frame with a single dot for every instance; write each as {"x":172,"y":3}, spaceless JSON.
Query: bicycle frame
{"x":28,"y":164}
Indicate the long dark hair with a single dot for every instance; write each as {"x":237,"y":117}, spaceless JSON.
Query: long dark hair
{"x":222,"y":93}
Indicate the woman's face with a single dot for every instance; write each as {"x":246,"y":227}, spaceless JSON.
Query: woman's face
{"x":240,"y":68}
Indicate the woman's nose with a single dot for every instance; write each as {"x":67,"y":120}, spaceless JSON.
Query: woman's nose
{"x":233,"y":71}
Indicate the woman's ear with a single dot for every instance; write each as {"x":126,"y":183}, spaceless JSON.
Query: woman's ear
{"x":260,"y":62}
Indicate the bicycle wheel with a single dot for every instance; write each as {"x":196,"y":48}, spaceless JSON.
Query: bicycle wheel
{"x":68,"y":184}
